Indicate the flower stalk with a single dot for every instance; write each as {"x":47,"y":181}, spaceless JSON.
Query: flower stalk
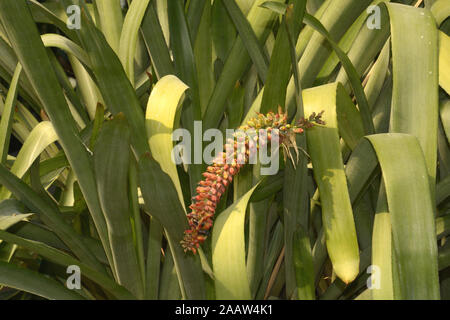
{"x":227,"y":165}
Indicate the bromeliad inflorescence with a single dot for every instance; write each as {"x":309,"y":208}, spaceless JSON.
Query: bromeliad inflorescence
{"x":228,"y":164}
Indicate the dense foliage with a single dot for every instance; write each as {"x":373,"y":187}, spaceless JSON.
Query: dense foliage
{"x":91,"y":93}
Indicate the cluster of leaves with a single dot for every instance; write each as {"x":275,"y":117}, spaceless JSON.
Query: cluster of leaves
{"x":86,"y":170}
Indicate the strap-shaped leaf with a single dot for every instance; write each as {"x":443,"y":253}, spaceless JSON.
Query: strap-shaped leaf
{"x":33,"y":282}
{"x":40,"y":138}
{"x":414,"y":62}
{"x":111,"y":163}
{"x":160,"y":196}
{"x":412,"y":215}
{"x":382,"y":250}
{"x":129,"y":36}
{"x":8,"y":114}
{"x":325,"y":152}
{"x":162,"y":117}
{"x":228,"y":251}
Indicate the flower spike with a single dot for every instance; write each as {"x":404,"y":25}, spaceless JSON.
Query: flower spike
{"x":228,"y":164}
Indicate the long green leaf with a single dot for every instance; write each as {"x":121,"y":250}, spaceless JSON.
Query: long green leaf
{"x":382,"y":251}
{"x":40,"y":138}
{"x":33,"y":282}
{"x":159,"y":193}
{"x":110,"y":21}
{"x":415,"y":76}
{"x":412,"y":215}
{"x":156,"y":44}
{"x":295,"y":197}
{"x":337,"y":214}
{"x":162,"y":117}
{"x":111,"y":163}
{"x":7,"y":114}
{"x":228,"y":251}
{"x":155,"y":236}
{"x":304,"y":267}
{"x":203,"y":51}
{"x":129,"y":35}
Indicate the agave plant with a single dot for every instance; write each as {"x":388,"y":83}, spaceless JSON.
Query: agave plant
{"x":93,"y":205}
